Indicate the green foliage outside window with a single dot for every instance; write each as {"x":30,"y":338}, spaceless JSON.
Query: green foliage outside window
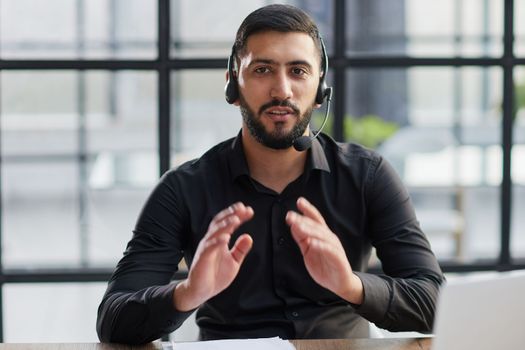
{"x":519,"y":94}
{"x":369,"y":130}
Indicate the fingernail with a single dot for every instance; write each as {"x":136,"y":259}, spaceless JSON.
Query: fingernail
{"x":234,"y":206}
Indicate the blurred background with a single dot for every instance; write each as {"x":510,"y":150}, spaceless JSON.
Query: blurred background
{"x":100,"y":97}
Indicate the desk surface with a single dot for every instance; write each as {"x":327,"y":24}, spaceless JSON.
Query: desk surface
{"x":326,"y":344}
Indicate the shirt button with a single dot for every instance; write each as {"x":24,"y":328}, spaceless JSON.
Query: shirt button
{"x":281,"y":241}
{"x":295,"y":314}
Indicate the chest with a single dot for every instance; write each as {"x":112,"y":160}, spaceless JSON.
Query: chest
{"x":343,"y":213}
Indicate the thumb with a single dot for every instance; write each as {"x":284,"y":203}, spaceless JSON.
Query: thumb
{"x":242,"y":246}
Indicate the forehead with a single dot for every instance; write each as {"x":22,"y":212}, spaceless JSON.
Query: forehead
{"x":281,"y":47}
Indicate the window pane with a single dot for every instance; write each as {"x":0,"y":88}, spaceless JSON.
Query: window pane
{"x":201,"y":117}
{"x":424,"y":27}
{"x":440,"y":129}
{"x":518,"y":168}
{"x":40,"y":212}
{"x":51,"y":312}
{"x":40,"y":175}
{"x":39,"y":113}
{"x":78,"y":29}
{"x":79,"y":155}
{"x":201,"y":28}
{"x":122,"y":143}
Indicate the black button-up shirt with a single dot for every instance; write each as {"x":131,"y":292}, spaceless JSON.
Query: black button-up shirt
{"x":362,"y":201}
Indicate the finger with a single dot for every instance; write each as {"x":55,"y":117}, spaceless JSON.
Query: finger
{"x":299,"y":233}
{"x":302,"y":226}
{"x":302,"y":241}
{"x":227,"y":220}
{"x":309,"y":210}
{"x":244,"y":212}
{"x":226,"y":212}
{"x":226,"y":225}
{"x":208,"y":246}
{"x":241,"y":247}
{"x":221,"y":239}
{"x":309,"y":234}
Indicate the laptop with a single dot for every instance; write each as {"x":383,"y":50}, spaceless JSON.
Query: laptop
{"x":481,"y":312}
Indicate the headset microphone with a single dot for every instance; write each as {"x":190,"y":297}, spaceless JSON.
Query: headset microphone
{"x":304,"y":142}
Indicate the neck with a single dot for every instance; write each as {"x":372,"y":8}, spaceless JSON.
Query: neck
{"x":272,"y":168}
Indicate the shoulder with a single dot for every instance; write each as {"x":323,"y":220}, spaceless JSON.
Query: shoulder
{"x":354,"y":161}
{"x":213,"y":161}
{"x":349,"y":153}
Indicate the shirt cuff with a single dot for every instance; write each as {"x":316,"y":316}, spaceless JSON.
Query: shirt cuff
{"x":163,"y":309}
{"x":377,"y":297}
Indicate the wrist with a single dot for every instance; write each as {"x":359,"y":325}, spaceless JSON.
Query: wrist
{"x":355,"y":293}
{"x":182,"y":298}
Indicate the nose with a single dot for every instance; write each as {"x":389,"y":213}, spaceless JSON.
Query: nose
{"x":281,"y":87}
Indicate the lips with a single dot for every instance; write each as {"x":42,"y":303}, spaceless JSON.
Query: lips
{"x":279,"y":113}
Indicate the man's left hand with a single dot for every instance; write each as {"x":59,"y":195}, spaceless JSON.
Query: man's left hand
{"x":323,"y":253}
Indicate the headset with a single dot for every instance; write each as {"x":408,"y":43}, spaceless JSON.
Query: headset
{"x":231,"y":92}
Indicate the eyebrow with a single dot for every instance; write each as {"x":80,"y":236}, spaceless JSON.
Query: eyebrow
{"x":270,"y":61}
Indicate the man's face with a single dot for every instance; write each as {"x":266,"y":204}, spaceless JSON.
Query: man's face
{"x":278,"y":79}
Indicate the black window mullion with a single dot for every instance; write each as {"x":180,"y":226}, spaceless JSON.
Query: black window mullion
{"x":339,"y":69}
{"x":508,"y":111}
{"x":2,"y":276}
{"x":164,"y":85}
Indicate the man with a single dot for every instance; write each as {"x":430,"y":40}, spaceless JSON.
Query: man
{"x":276,"y":240}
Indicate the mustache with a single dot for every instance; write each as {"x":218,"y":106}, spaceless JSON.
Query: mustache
{"x":277,"y":103}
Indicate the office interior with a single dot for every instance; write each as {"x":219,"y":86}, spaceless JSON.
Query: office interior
{"x":98,"y":98}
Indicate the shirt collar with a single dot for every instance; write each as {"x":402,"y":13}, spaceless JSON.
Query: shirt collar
{"x":237,"y":158}
{"x":316,"y":158}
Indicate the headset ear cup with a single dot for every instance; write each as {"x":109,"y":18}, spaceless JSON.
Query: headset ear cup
{"x":321,"y":92}
{"x":231,"y":90}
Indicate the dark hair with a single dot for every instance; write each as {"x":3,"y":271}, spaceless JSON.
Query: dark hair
{"x":277,"y":17}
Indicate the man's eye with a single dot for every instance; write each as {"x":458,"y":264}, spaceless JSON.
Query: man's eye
{"x":298,"y":71}
{"x":262,"y":70}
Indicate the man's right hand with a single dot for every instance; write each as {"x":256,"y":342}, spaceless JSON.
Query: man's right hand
{"x":214,"y":265}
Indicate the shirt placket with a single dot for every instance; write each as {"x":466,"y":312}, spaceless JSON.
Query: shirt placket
{"x":281,"y":244}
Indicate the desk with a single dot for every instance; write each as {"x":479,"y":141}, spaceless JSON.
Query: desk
{"x":325,"y":344}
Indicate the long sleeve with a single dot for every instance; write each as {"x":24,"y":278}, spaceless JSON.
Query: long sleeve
{"x":138,"y":304}
{"x":404,"y":298}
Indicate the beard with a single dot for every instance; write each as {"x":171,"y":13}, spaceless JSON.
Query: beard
{"x":278,"y":138}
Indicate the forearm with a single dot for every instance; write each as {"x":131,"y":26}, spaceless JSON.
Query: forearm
{"x":404,"y":299}
{"x":400,"y":304}
{"x":138,"y":317}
